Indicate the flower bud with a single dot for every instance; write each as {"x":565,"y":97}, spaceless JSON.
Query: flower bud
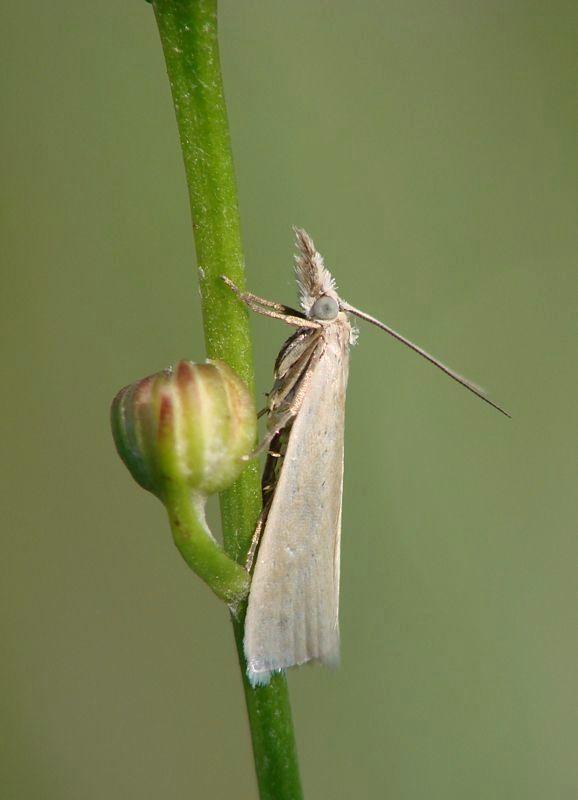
{"x":189,"y":424}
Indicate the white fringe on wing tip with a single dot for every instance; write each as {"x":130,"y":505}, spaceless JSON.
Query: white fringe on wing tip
{"x":261,"y":678}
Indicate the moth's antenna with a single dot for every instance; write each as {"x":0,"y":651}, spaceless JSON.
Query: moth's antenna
{"x":477,"y":390}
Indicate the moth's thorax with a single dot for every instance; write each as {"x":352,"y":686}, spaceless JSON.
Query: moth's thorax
{"x":338,"y":337}
{"x":339,"y":330}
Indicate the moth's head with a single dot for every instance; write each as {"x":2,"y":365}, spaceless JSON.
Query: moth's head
{"x":317,"y":291}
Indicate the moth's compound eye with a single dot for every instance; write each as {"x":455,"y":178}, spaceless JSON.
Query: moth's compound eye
{"x":324,"y":307}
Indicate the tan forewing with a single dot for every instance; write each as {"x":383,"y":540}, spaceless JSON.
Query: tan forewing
{"x":292,"y":615}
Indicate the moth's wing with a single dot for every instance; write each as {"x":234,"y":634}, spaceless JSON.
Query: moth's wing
{"x":292,"y":616}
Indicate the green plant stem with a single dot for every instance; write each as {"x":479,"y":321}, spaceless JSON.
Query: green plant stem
{"x":188,"y":32}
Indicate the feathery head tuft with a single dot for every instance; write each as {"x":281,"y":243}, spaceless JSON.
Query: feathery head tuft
{"x":313,"y":278}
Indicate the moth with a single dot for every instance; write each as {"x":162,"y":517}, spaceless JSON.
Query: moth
{"x":293,"y":607}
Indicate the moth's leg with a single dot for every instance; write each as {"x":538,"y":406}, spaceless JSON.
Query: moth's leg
{"x":291,"y":411}
{"x":270,"y":309}
{"x":247,"y":297}
{"x":288,"y":319}
{"x":250,"y":560}
{"x":303,"y":386}
{"x":286,"y":418}
{"x":269,"y":482}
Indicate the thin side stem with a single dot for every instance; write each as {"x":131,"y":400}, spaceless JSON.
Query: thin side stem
{"x":188,"y":32}
{"x":195,"y":542}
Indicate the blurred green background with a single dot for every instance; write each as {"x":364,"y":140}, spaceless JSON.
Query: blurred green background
{"x":429,"y":149}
